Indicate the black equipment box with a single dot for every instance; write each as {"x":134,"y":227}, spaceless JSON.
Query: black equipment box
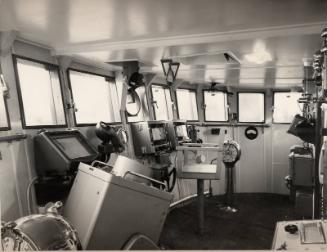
{"x":58,"y":153}
{"x":301,"y":169}
{"x":304,"y":204}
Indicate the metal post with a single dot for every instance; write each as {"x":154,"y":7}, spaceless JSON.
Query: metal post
{"x":318,"y":143}
{"x":229,"y":185}
{"x":200,"y":190}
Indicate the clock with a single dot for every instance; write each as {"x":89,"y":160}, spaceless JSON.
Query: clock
{"x":231,"y":152}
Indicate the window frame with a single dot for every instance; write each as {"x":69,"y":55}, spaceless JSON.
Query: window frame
{"x":264,"y":106}
{"x":20,"y":98}
{"x":204,"y":109}
{"x":197,"y":109}
{"x":7,"y":116}
{"x":164,"y":87}
{"x":273,"y":105}
{"x":72,"y":95}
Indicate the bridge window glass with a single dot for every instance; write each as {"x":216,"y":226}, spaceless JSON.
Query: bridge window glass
{"x":286,"y":106}
{"x":95,"y":97}
{"x":215,"y":106}
{"x":186,"y":104}
{"x":251,"y":107}
{"x":40,"y":94}
{"x":162,"y":103}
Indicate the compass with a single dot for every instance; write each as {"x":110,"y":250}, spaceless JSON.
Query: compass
{"x":231,"y":152}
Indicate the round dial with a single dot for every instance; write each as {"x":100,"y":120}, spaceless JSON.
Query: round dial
{"x":231,"y":152}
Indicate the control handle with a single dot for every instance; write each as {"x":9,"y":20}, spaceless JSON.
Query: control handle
{"x":145,"y":177}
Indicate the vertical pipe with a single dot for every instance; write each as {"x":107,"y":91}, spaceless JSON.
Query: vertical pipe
{"x":324,"y":85}
{"x":200,"y":190}
{"x":229,"y":184}
{"x":318,"y":143}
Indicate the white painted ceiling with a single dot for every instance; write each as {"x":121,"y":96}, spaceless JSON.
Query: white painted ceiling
{"x":148,"y":30}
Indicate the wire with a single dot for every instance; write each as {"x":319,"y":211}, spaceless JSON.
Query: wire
{"x":215,"y":159}
{"x":28,"y":195}
{"x":177,"y":180}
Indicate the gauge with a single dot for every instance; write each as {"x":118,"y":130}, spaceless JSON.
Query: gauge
{"x":231,"y":152}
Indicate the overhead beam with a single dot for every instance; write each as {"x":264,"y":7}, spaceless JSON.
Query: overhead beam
{"x":101,"y":65}
{"x":7,"y":39}
{"x":158,"y":70}
{"x":275,"y":31}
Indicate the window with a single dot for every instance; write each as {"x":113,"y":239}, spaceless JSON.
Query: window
{"x":251,"y":107}
{"x":187,"y":106}
{"x":162,"y":103}
{"x":215,"y":106}
{"x":40,"y":94}
{"x":4,"y":122}
{"x":286,"y":106}
{"x":95,"y":97}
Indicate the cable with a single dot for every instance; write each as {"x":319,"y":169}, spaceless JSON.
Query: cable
{"x":177,"y":180}
{"x":28,"y":194}
{"x":213,"y":160}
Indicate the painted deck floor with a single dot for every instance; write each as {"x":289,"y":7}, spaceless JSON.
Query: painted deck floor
{"x":251,"y":228}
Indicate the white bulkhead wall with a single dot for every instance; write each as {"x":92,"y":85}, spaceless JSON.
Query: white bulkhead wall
{"x":264,"y":161}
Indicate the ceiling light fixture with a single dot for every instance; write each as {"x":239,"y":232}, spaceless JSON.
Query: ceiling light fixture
{"x":170,"y":70}
{"x":259,"y":55}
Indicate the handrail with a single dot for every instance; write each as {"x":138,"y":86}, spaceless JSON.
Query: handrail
{"x":11,"y":138}
{"x":145,"y":177}
{"x":136,"y":237}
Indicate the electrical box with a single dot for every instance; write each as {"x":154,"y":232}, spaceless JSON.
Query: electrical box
{"x":150,"y":137}
{"x":301,"y":169}
{"x":303,"y":204}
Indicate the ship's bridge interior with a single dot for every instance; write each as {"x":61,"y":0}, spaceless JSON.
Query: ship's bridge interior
{"x":163,"y":125}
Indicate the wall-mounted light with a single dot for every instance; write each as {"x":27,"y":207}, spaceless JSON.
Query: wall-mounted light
{"x":170,"y":70}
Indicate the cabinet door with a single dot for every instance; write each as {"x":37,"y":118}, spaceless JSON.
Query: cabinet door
{"x":10,"y":205}
{"x":14,"y":178}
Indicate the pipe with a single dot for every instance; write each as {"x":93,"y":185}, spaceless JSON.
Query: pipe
{"x":28,"y":195}
{"x":174,"y":204}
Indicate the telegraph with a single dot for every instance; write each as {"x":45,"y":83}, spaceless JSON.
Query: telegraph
{"x":231,"y":154}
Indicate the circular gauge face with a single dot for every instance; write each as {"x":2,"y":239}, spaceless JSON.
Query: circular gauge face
{"x":231,"y":152}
